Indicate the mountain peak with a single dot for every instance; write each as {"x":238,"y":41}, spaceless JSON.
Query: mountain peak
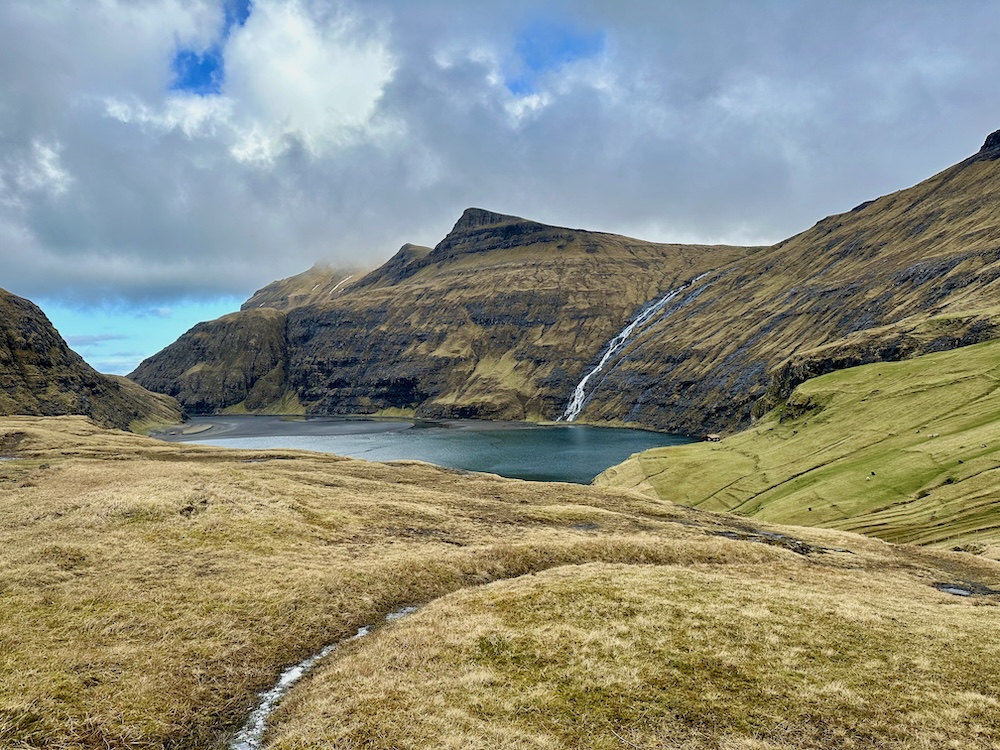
{"x":473,"y":218}
{"x":992,"y":142}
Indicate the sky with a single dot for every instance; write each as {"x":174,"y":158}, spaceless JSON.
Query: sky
{"x":160,"y":160}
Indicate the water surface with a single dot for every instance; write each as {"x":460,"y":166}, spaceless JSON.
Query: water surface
{"x":562,"y":453}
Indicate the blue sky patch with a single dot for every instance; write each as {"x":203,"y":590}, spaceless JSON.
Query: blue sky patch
{"x":202,"y":72}
{"x":198,"y":73}
{"x":116,"y":339}
{"x":237,"y":13}
{"x":545,"y":46}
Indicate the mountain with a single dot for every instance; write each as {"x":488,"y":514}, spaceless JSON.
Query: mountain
{"x":850,"y":290}
{"x":505,"y":317}
{"x":238,"y":359}
{"x":42,"y":376}
{"x":318,"y":284}
{"x":905,"y":451}
{"x":497,"y":321}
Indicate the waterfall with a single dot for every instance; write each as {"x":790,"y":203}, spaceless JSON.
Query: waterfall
{"x":617,"y":343}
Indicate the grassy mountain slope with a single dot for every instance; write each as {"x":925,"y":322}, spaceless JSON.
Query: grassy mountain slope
{"x":41,"y":375}
{"x":319,"y":284}
{"x":889,"y":264}
{"x":151,"y":590}
{"x":905,"y":451}
{"x":497,"y":321}
{"x":237,"y":362}
{"x":504,"y":316}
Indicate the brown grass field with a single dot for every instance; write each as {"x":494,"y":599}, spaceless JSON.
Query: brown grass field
{"x":148,"y":591}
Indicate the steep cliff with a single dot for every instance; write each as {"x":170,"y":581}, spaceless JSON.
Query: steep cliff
{"x":41,"y":376}
{"x":238,"y":362}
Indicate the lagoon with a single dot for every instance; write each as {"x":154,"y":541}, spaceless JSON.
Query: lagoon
{"x":552,"y":453}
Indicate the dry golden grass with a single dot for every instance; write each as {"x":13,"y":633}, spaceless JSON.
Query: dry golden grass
{"x":770,"y":654}
{"x":148,"y":591}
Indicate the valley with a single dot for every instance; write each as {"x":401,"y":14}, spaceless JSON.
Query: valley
{"x":499,"y":376}
{"x":823,"y":573}
{"x":505,"y":317}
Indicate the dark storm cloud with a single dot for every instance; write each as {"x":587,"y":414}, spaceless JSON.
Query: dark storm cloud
{"x":341,"y":130}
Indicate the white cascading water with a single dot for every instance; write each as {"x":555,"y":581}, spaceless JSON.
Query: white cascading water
{"x":618,"y":343}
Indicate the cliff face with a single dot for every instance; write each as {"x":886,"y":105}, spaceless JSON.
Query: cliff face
{"x":497,"y":321}
{"x":41,"y":376}
{"x":237,"y":362}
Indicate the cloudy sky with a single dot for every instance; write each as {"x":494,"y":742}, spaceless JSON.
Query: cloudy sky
{"x":162,"y":159}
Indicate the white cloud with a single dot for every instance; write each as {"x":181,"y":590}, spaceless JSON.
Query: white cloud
{"x":292,"y":76}
{"x":38,"y":170}
{"x":343,"y":128}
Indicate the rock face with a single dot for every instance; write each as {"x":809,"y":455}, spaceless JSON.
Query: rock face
{"x":41,"y":376}
{"x":497,"y":321}
{"x":239,"y":360}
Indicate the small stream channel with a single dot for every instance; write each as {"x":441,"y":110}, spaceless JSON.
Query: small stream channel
{"x":250,"y":735}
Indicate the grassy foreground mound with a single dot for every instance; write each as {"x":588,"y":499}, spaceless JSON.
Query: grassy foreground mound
{"x":905,"y":451}
{"x":149,"y":590}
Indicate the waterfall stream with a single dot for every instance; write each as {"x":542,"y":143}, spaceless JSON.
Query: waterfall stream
{"x":249,"y":737}
{"x":645,"y":315}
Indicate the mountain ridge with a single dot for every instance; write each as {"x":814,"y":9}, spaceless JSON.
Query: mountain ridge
{"x":504,"y":316}
{"x":493,"y":322}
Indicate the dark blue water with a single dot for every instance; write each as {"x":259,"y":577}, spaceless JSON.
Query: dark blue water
{"x":561,"y":453}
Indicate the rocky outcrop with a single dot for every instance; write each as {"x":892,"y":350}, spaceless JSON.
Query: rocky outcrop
{"x":991,"y":147}
{"x":41,"y":376}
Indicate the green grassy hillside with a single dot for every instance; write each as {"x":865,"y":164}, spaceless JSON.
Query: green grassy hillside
{"x":906,"y":451}
{"x":149,"y":591}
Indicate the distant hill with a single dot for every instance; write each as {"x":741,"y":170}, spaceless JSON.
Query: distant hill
{"x":905,"y":451}
{"x":497,"y":321}
{"x":42,"y":376}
